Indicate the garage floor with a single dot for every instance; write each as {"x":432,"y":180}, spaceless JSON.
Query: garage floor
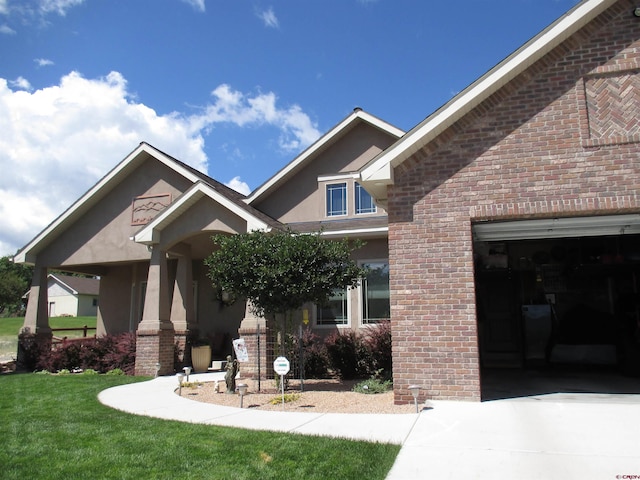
{"x":512,"y":383}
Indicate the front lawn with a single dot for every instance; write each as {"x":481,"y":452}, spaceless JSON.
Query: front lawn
{"x":53,"y":427}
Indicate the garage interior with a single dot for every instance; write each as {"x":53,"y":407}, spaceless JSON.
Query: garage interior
{"x":558,"y":305}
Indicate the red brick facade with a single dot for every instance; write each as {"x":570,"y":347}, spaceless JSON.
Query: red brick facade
{"x":562,"y":139}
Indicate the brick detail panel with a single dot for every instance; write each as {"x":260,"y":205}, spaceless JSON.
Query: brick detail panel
{"x":613,"y":102}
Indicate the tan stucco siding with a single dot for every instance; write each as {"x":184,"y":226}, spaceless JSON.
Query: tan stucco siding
{"x":116,"y":304}
{"x":205,"y":216}
{"x":102,"y":233}
{"x":301,"y":198}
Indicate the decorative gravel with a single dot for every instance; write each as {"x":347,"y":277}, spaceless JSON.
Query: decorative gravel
{"x":317,"y":396}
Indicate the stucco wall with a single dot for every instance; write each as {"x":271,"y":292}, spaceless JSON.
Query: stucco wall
{"x":300,"y":199}
{"x":532,"y":150}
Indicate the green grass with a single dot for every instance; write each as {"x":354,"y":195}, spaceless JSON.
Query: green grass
{"x":53,"y":427}
{"x":10,"y":327}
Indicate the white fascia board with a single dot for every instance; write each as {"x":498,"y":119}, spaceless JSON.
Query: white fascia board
{"x":326,"y":139}
{"x":26,"y":255}
{"x":356,"y":232}
{"x":150,"y":234}
{"x":482,"y":88}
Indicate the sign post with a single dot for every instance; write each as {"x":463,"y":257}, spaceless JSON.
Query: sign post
{"x":281,"y":367}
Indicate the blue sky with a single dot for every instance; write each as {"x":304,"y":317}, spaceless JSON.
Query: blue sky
{"x":235,"y":88}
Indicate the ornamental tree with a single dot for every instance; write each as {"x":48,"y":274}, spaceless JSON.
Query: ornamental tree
{"x":280,"y":271}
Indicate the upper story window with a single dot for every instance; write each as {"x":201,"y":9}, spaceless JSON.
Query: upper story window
{"x":336,"y":199}
{"x":364,"y":201}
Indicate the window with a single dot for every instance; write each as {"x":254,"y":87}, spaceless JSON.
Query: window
{"x":364,"y":201}
{"x":336,"y":311}
{"x":336,"y":199}
{"x":375,"y":293}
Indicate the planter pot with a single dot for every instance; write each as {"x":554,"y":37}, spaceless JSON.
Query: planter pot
{"x":201,"y":358}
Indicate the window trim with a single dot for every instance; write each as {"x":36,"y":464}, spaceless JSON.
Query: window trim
{"x":348,"y":291}
{"x":361,"y":292}
{"x":357,"y":190}
{"x":345,"y":197}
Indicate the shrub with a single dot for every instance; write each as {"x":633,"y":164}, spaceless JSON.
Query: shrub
{"x":101,"y":354}
{"x":347,"y":354}
{"x":316,"y":358}
{"x":373,"y":385}
{"x":31,"y":349}
{"x":378,"y":342}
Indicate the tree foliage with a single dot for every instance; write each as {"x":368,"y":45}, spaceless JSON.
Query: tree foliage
{"x":14,"y":282}
{"x":281,"y":271}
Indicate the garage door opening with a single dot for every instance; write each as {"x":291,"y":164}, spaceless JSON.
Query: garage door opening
{"x":558,"y":306}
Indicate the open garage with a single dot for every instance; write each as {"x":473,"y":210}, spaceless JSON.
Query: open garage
{"x":558,"y":304}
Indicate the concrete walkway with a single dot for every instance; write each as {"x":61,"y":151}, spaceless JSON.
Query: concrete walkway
{"x":557,"y":436}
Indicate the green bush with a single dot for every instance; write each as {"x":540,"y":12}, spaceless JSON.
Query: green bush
{"x":373,"y":385}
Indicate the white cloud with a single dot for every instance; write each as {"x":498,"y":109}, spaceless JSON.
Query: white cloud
{"x":56,"y":142}
{"x":232,"y":106}
{"x":269,"y":18}
{"x":197,"y":4}
{"x":43,"y":62}
{"x":238,"y":185}
{"x":58,"y":6}
{"x":7,"y":30}
{"x":21,"y":83}
{"x":4,"y":7}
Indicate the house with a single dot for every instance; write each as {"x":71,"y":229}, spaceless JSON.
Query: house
{"x":514,"y":212}
{"x":503,"y":230}
{"x":146,"y":227}
{"x":72,"y":296}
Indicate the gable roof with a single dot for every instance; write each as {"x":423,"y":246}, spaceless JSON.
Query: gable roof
{"x":256,"y":220}
{"x":357,"y":116}
{"x":78,"y":285}
{"x":133,"y":160}
{"x":378,"y":173}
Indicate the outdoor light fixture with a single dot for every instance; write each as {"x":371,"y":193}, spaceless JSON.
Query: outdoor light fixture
{"x":415,"y":390}
{"x":157,"y":369}
{"x":180,"y":379}
{"x":242,"y":390}
{"x":187,"y":372}
{"x":636,"y":12}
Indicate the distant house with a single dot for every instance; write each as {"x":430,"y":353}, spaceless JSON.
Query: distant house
{"x":72,"y":296}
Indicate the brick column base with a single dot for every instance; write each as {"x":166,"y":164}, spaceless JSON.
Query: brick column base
{"x":154,"y":347}
{"x":255,"y":332}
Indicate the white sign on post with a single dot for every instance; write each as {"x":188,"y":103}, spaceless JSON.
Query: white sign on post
{"x":281,"y":367}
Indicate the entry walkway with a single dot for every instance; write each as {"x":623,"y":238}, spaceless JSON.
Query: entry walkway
{"x":557,"y":436}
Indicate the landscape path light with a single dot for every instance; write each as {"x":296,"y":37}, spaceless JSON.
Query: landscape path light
{"x":415,"y":391}
{"x":187,"y":372}
{"x":157,"y":369}
{"x":180,"y":379}
{"x":242,"y":390}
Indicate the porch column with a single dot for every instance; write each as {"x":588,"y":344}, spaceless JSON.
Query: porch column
{"x":255,"y":332}
{"x":182,"y":309}
{"x":155,"y":331}
{"x":36,"y":318}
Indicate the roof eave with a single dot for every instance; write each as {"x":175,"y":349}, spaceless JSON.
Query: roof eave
{"x":380,"y":169}
{"x":357,"y":115}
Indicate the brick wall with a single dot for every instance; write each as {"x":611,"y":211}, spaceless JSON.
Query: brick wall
{"x":154,"y":347}
{"x":559,"y":140}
